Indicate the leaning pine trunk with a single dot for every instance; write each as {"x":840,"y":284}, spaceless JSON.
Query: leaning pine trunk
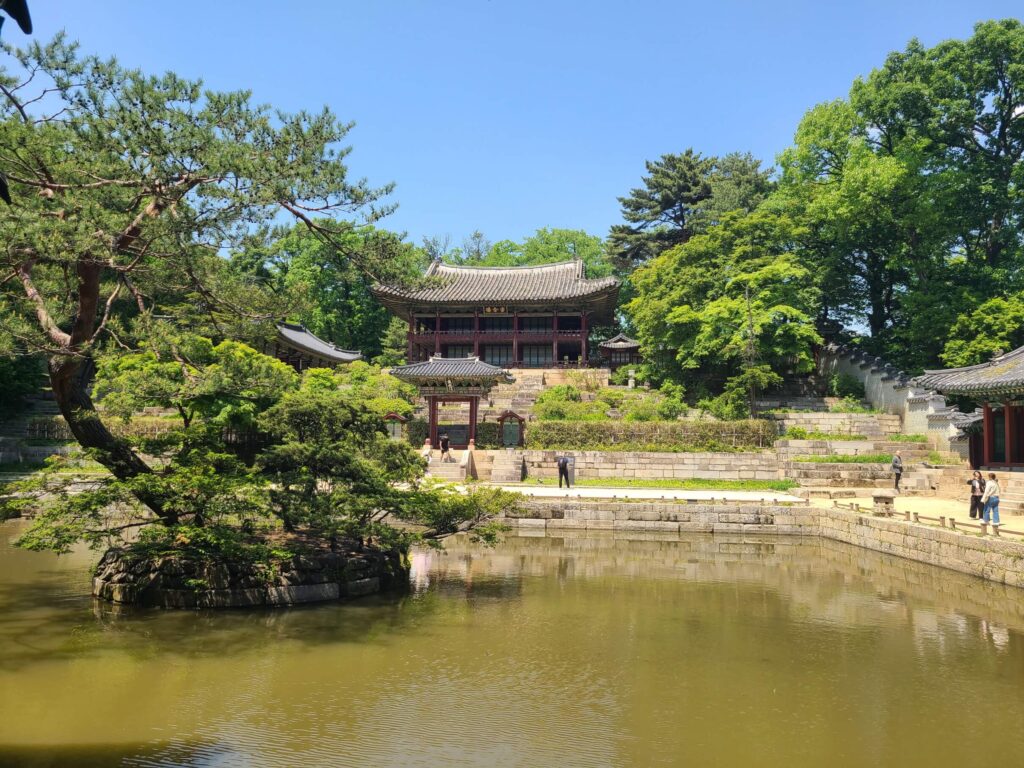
{"x":69,"y":381}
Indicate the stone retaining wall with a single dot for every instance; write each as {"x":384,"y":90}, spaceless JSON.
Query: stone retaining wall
{"x":172,"y":582}
{"x":997,"y":560}
{"x":620,"y":464}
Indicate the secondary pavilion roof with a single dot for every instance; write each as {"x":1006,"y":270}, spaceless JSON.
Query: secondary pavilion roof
{"x":541,"y":285}
{"x":440,"y":370}
{"x":620,"y":341}
{"x":1000,"y":377}
{"x":296,"y":336}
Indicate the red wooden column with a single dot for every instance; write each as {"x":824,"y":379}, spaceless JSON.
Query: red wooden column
{"x":476,"y":332}
{"x":583,"y":336}
{"x":408,"y":338}
{"x":432,"y":400}
{"x":554,"y":337}
{"x":473,"y":403}
{"x":515,"y":339}
{"x":1008,"y":431}
{"x":988,"y":438}
{"x":437,"y":333}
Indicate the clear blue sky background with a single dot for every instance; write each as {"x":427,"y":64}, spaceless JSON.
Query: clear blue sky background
{"x":510,"y":115}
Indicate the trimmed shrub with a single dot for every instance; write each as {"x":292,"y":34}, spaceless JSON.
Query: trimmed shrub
{"x":416,"y":431}
{"x":488,"y":434}
{"x":673,"y":436}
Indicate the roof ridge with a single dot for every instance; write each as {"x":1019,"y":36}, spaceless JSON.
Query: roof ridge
{"x":495,"y":268}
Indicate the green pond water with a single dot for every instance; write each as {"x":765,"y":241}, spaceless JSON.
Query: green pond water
{"x":575,"y":651}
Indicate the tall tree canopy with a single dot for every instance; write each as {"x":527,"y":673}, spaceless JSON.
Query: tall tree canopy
{"x":682,"y":195}
{"x":911,"y":192}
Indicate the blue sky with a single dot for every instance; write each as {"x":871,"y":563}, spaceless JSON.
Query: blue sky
{"x":507,"y":116}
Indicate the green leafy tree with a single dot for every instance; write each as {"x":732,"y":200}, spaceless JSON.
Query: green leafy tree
{"x":128,"y":186}
{"x":995,"y":326}
{"x":728,"y":302}
{"x":334,"y":294}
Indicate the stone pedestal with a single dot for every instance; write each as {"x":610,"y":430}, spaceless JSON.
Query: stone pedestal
{"x":884,"y":503}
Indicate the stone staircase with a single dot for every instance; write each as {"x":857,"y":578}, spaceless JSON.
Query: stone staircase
{"x":451,"y":472}
{"x":519,"y":396}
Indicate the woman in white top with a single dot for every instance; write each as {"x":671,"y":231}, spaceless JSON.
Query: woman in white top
{"x":990,"y":499}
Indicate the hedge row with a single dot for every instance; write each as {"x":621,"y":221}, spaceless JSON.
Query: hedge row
{"x":488,"y":434}
{"x":678,"y":436}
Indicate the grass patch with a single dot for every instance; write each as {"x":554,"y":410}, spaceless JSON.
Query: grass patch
{"x":689,"y":484}
{"x":799,"y":433}
{"x":907,"y":438}
{"x":836,"y":458}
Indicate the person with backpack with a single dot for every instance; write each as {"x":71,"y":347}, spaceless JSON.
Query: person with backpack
{"x":977,"y":483}
{"x":563,"y":471}
{"x":897,"y":469}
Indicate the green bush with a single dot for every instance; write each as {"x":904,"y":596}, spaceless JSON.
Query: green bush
{"x":851,"y":404}
{"x":416,"y":432}
{"x":677,"y":436}
{"x":844,"y":385}
{"x":795,"y":433}
{"x":611,"y":397}
{"x":642,"y":409}
{"x":560,"y":393}
{"x":907,"y":438}
{"x":488,"y":435}
{"x":800,"y":433}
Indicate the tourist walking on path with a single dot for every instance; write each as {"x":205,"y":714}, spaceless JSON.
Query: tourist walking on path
{"x":991,"y":500}
{"x":446,"y":445}
{"x":563,"y":471}
{"x":897,"y":468}
{"x":977,"y":483}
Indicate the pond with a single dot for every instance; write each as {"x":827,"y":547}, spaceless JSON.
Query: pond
{"x":568,"y":651}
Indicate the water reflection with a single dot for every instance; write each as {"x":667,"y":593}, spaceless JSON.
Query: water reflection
{"x":572,"y":650}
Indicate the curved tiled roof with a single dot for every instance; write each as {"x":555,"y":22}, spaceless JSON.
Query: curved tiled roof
{"x":620,"y":341}
{"x":535,"y":284}
{"x":296,"y":336}
{"x":443,"y":368}
{"x":1000,"y":376}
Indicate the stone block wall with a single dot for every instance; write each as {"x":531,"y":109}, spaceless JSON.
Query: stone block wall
{"x":1000,"y":560}
{"x":627,"y":464}
{"x":888,"y":389}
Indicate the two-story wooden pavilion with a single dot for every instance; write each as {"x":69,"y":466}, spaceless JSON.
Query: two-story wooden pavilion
{"x":998,"y":385}
{"x":535,"y":316}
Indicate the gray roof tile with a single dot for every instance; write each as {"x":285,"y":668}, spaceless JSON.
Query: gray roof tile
{"x":436,"y":368}
{"x":536,"y":284}
{"x":1001,"y":376}
{"x":295,"y":335}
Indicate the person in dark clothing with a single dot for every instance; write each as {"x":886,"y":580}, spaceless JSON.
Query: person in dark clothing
{"x":446,"y":445}
{"x":563,"y":471}
{"x":897,"y":468}
{"x":977,"y":483}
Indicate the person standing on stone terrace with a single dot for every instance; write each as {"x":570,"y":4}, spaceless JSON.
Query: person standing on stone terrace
{"x":563,"y":471}
{"x":897,"y":469}
{"x":977,"y":483}
{"x":991,"y":500}
{"x":446,"y":448}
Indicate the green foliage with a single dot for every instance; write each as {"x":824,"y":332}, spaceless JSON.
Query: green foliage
{"x":689,"y":484}
{"x":850,"y":404}
{"x":672,"y":436}
{"x":545,"y":246}
{"x":226,"y":385}
{"x":393,"y":344}
{"x":844,"y":458}
{"x":799,"y":433}
{"x":19,"y":377}
{"x":683,"y":195}
{"x":417,"y":431}
{"x":336,"y":301}
{"x":728,"y":301}
{"x":907,"y":438}
{"x":564,"y":402}
{"x":995,"y":326}
{"x":377,"y":390}
{"x":846,"y":386}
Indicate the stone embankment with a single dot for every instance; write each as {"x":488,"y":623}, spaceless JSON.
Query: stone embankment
{"x":1000,"y":560}
{"x":173,"y":582}
{"x":681,"y":466}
